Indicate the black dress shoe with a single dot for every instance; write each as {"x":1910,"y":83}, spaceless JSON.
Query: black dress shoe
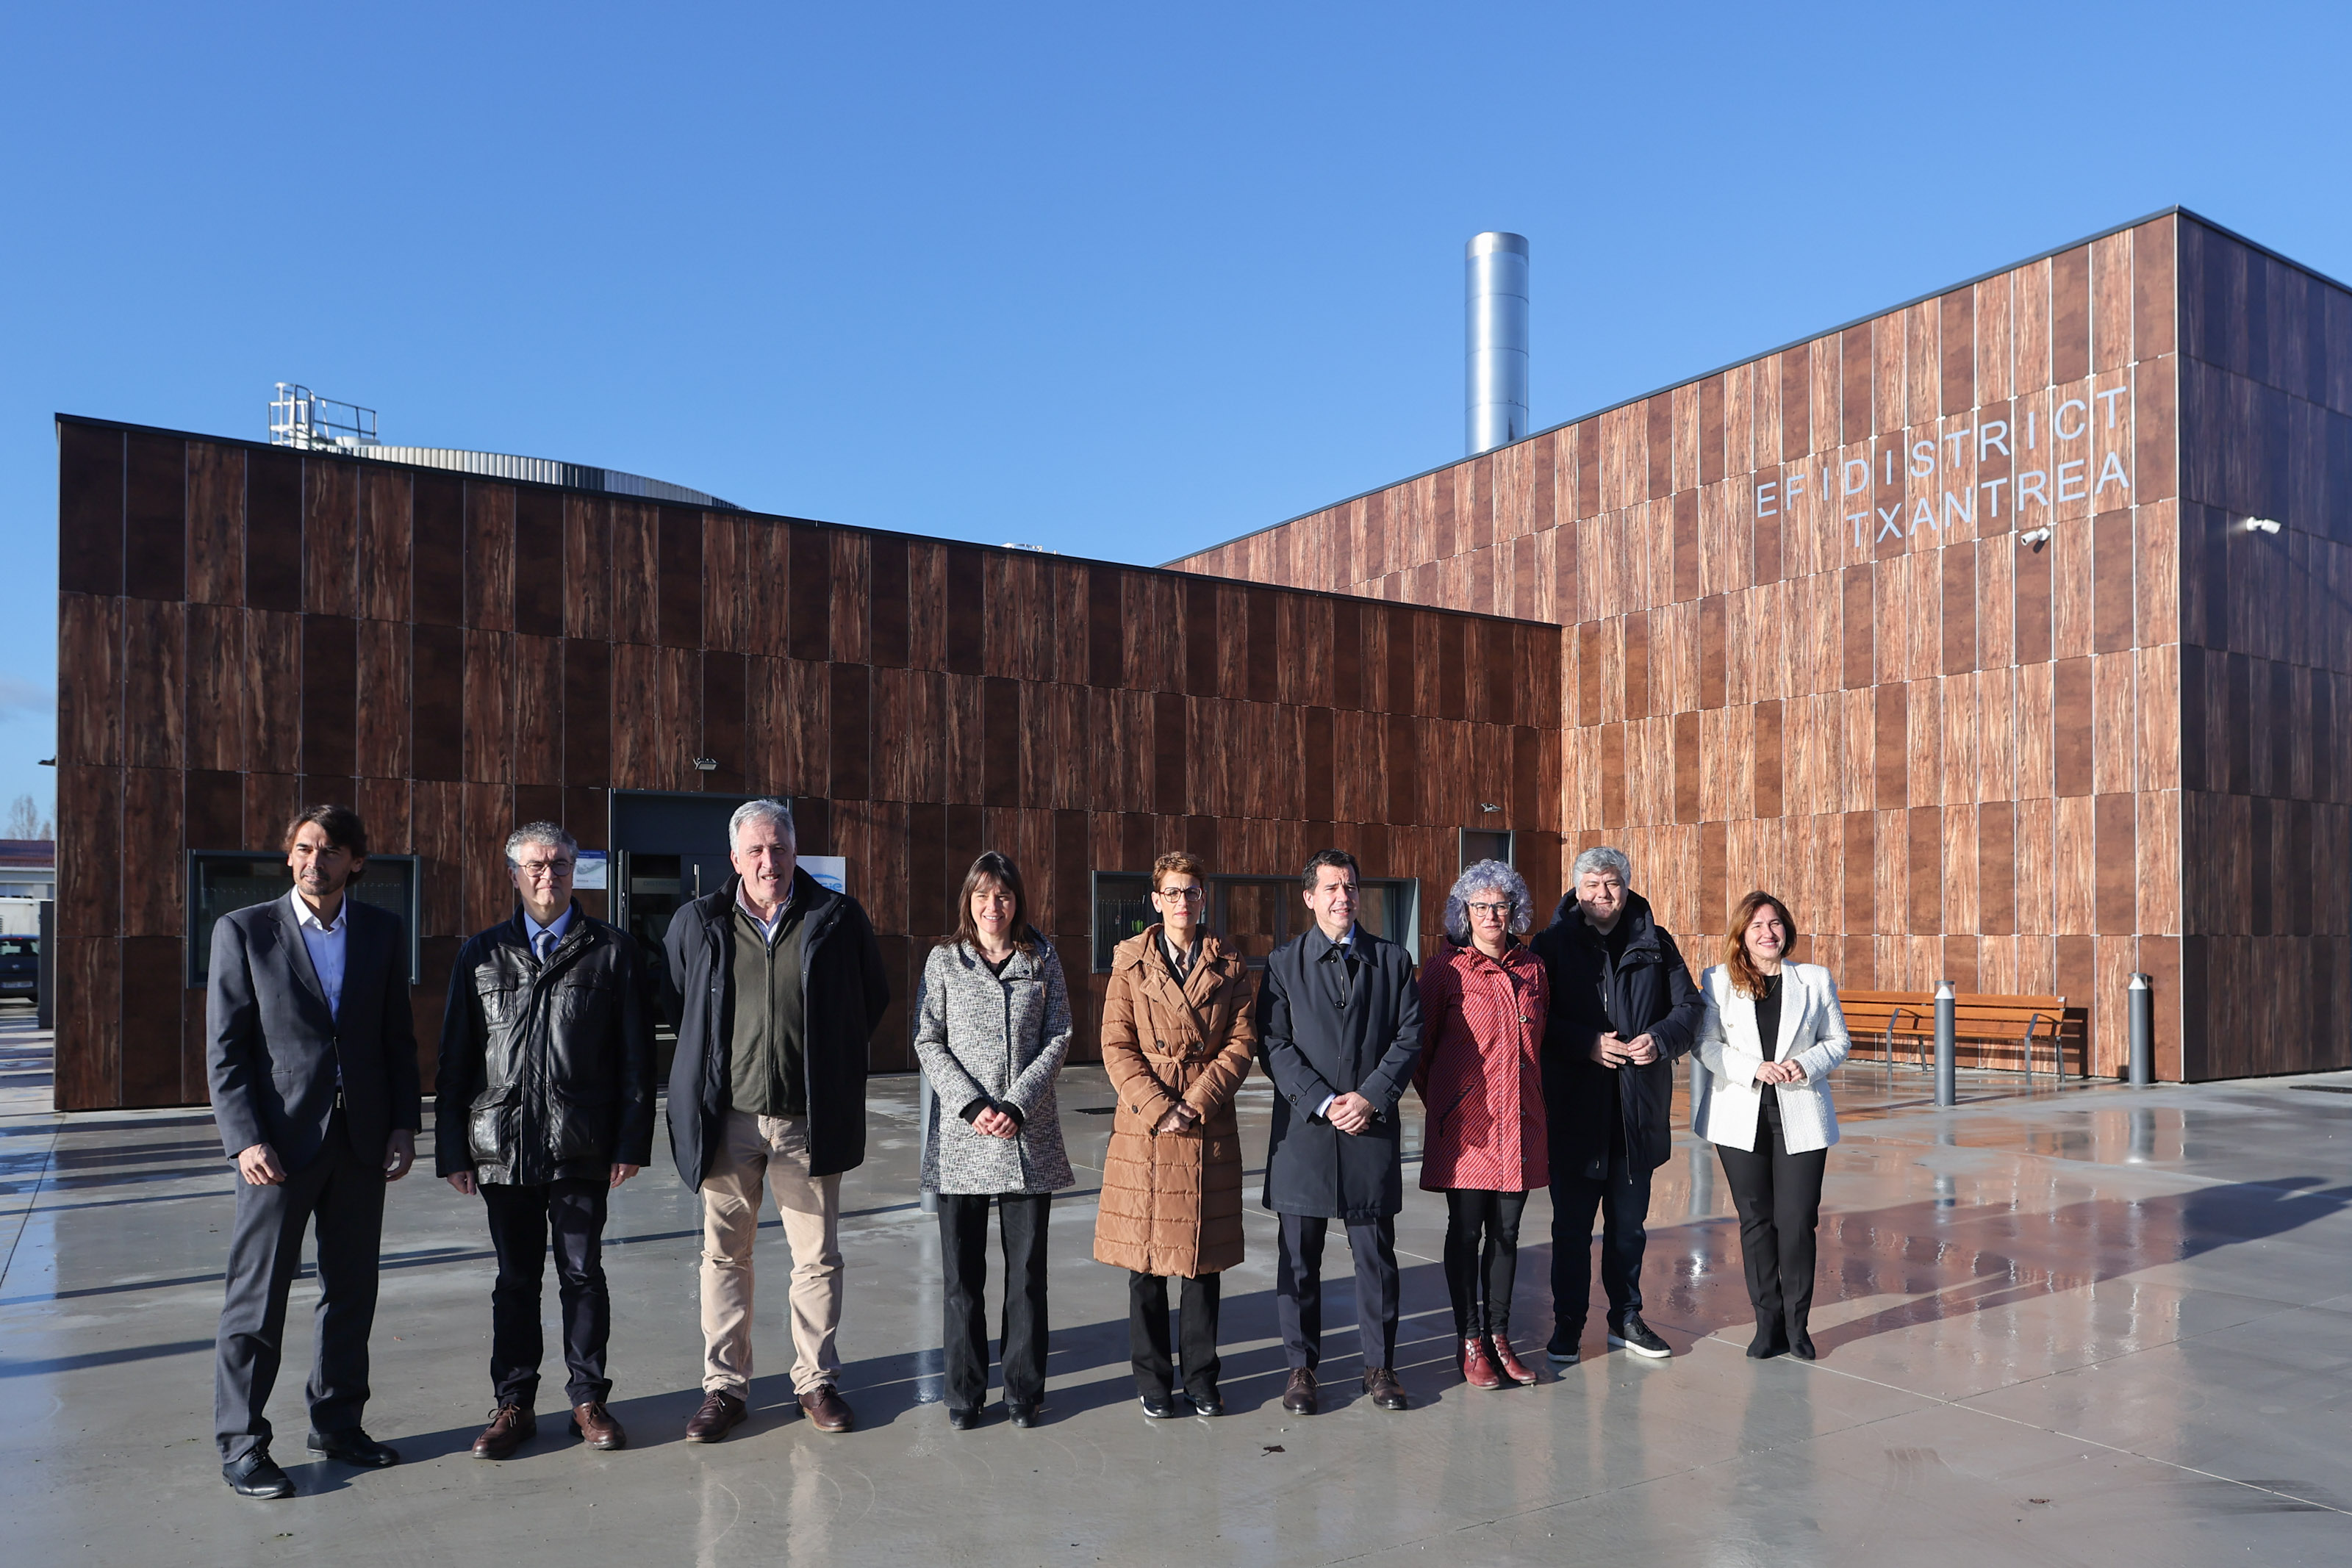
{"x":1801,"y":1347}
{"x":965,"y":1420}
{"x":1767,"y":1345}
{"x":256,"y":1475}
{"x":1207,"y":1403}
{"x":1380,"y":1384}
{"x":1159,"y":1407}
{"x":353,"y":1447}
{"x":1023,"y":1415}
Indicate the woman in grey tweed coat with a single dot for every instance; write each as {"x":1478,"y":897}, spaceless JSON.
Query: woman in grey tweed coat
{"x":993,"y":1027}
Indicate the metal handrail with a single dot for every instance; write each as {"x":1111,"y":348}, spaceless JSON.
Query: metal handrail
{"x":1894,"y":1019}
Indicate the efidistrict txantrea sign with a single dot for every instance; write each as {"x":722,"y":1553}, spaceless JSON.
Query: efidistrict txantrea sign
{"x":2063,"y":477}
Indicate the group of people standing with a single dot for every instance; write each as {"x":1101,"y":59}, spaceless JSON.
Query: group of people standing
{"x":1539,"y":1063}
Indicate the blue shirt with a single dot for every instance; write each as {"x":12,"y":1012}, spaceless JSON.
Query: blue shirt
{"x":326,"y":943}
{"x":555,"y":928}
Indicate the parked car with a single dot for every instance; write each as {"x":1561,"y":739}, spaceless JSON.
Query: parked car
{"x":20,"y":967}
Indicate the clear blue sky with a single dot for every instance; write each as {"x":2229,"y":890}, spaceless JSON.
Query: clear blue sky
{"x":1117,"y":280}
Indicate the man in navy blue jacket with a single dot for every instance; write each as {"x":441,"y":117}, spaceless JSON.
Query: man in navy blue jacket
{"x":1339,"y":1020}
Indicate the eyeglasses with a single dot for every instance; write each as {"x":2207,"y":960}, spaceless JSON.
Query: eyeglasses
{"x":1183,"y":894}
{"x":1493,"y":909}
{"x":539,"y":870}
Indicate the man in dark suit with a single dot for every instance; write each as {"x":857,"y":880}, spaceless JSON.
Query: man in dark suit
{"x":1340,"y":1022}
{"x":312,"y":1060}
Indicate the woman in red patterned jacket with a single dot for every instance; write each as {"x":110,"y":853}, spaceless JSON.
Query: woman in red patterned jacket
{"x":1483,"y":1003}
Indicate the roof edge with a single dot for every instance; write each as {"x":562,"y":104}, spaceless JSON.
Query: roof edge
{"x":1014,"y":552}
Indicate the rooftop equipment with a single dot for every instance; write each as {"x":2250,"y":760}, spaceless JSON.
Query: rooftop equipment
{"x":1498,"y":341}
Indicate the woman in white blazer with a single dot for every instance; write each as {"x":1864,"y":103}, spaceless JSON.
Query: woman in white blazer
{"x":1771,"y":1035}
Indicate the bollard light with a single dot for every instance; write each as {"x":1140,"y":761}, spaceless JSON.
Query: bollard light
{"x":1947,"y":1088}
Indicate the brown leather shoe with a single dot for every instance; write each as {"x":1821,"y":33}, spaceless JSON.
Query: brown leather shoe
{"x":1508,"y":1362}
{"x":827,"y":1411}
{"x":720,"y":1414}
{"x":1476,"y":1370}
{"x":1380,"y":1384}
{"x":1298,"y":1396}
{"x":512,"y":1425}
{"x":593,"y":1422}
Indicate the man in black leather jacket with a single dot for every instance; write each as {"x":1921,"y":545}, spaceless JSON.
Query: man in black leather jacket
{"x":543,"y":1104}
{"x":1623,"y":1007}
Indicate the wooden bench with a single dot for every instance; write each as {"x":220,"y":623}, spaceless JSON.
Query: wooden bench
{"x":1994,"y":1025}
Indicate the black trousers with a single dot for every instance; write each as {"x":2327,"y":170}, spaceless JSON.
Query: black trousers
{"x":1147,"y":1332}
{"x":1779,"y":1196}
{"x":1621,"y":1199}
{"x":1482,"y":1258}
{"x":963,"y":1254}
{"x":522,"y":1218}
{"x":344,"y":1192}
{"x":1298,"y":1288}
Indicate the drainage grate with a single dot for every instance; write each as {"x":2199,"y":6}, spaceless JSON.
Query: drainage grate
{"x":2325,"y":1088}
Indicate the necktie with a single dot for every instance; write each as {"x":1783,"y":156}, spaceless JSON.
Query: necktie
{"x":546,"y":945}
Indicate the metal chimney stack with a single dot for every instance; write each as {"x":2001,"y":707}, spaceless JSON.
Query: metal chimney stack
{"x":1498,"y":341}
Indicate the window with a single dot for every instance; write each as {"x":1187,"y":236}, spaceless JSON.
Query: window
{"x":222,"y":883}
{"x":1254,"y":915}
{"x":1488,"y":845}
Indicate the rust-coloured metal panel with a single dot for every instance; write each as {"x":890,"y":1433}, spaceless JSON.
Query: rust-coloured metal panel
{"x":436,"y":547}
{"x":538,"y":575}
{"x":330,"y":526}
{"x":154,"y":518}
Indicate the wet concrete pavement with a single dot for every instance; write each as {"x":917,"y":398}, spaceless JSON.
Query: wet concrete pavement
{"x":2088,"y":1324}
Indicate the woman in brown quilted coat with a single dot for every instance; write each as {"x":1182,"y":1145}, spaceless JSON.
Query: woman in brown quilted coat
{"x":1177,"y":1040}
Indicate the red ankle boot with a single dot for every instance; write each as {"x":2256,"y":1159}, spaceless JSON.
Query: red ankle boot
{"x":1476,"y":1369}
{"x":1508,"y":1362}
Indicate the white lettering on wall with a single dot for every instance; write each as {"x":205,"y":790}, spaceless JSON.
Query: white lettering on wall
{"x":1949,"y":455}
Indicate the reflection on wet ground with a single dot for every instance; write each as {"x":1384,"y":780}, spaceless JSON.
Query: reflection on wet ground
{"x":2076,"y":1324}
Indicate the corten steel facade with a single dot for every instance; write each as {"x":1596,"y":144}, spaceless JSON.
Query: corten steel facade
{"x":1806,"y":648}
{"x":244,"y":628}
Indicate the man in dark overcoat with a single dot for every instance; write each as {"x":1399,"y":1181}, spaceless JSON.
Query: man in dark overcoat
{"x":1340,"y":1024}
{"x":1623,"y":1007}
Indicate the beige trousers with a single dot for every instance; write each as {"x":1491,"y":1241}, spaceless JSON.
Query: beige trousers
{"x":773,"y":1148}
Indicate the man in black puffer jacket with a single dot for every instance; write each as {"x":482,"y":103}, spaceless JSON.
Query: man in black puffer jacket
{"x":544,"y":1103}
{"x":1623,"y":1007}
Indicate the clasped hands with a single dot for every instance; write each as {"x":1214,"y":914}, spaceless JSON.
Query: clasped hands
{"x":1610,"y":1051}
{"x":1352,"y":1114}
{"x":1779,"y":1072}
{"x":1180,"y":1118}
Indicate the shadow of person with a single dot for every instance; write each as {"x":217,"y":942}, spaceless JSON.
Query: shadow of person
{"x":1961,"y":1260}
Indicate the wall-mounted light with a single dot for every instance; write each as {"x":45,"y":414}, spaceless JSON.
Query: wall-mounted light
{"x":707,"y":764}
{"x":2260,"y":526}
{"x":2036,"y":538}
{"x":1484,"y":806}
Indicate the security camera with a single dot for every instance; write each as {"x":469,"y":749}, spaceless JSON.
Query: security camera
{"x":2036,"y":538}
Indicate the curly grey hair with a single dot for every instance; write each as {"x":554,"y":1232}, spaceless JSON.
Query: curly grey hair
{"x":765,"y":810}
{"x":1487,"y":876}
{"x":1602,"y":857}
{"x":546,"y":833}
